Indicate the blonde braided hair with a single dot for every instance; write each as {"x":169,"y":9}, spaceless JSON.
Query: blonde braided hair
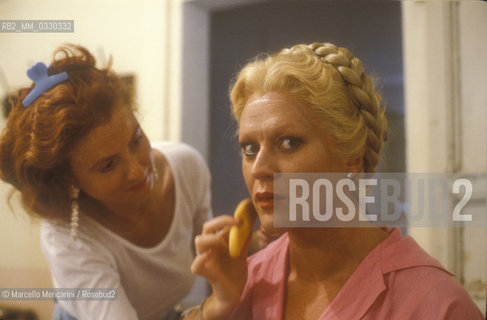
{"x":340,"y":95}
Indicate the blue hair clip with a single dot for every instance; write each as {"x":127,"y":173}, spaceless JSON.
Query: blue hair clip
{"x":43,"y":82}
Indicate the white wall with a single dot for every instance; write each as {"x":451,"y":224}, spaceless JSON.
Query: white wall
{"x":446,"y":99}
{"x":143,"y":38}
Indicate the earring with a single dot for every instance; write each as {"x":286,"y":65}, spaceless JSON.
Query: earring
{"x":154,"y":170}
{"x":349,"y":175}
{"x":156,"y":174}
{"x":73,"y":195}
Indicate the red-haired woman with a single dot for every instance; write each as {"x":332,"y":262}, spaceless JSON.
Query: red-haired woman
{"x":117,"y":211}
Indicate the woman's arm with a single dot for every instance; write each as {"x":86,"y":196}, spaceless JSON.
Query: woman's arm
{"x":227,"y":276}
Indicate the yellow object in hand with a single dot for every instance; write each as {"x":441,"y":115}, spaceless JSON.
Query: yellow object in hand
{"x":239,"y":234}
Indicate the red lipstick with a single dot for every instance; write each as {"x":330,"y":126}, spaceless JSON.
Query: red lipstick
{"x":264,"y":199}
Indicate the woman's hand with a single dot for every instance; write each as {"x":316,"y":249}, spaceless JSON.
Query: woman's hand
{"x":227,"y":276}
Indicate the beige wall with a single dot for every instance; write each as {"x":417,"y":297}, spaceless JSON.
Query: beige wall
{"x":21,"y":261}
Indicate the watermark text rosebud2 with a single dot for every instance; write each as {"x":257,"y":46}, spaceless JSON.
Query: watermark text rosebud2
{"x":388,"y":199}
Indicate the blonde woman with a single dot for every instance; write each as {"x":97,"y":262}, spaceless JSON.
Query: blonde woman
{"x":312,"y":108}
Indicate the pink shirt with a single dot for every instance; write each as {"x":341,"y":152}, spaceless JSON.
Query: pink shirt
{"x":397,"y":280}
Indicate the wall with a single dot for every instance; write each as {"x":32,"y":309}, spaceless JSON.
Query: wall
{"x":473,"y":33}
{"x":195,"y":77}
{"x":445,"y":70}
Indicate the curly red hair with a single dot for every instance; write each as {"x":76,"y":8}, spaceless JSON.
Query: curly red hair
{"x":36,"y":142}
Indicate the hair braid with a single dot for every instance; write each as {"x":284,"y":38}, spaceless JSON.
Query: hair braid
{"x":361,"y":89}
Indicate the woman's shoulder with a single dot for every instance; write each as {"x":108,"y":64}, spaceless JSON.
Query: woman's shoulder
{"x":405,"y":262}
{"x":425,"y":290}
{"x":417,"y":279}
{"x":56,"y":241}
